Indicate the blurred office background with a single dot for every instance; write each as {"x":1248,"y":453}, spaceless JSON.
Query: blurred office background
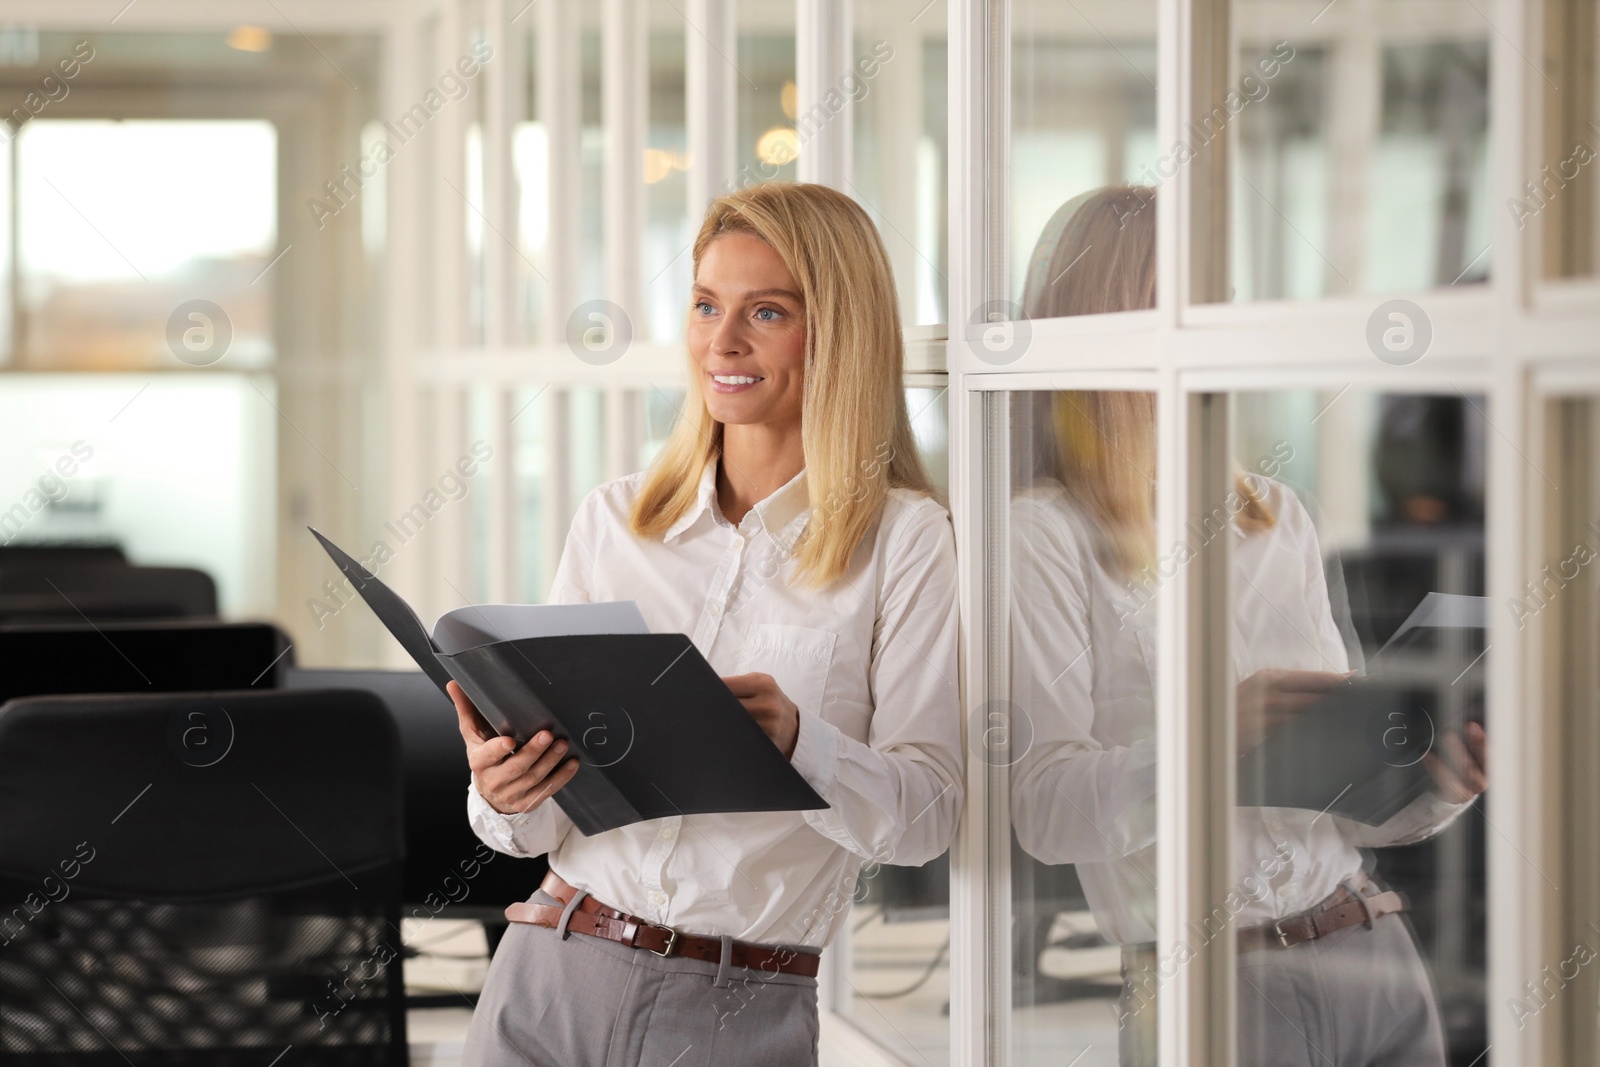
{"x":415,"y":273}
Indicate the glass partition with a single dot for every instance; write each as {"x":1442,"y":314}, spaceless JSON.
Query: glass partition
{"x":1083,"y":125}
{"x":1561,"y":192}
{"x":1562,"y":606}
{"x":895,"y":984}
{"x":896,"y":81}
{"x":1360,"y":653}
{"x":666,"y":263}
{"x":768,"y":143}
{"x":1076,"y":736}
{"x":1362,"y":148}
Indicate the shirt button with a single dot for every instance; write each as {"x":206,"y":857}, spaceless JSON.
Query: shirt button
{"x":658,"y":898}
{"x":667,"y":833}
{"x":714,"y":608}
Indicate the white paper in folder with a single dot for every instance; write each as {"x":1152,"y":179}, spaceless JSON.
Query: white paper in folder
{"x":483,"y":624}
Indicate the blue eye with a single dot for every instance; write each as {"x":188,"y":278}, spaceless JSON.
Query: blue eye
{"x":774,"y":312}
{"x":703,"y":307}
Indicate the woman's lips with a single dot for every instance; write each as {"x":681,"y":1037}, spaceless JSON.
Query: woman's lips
{"x":735,"y":387}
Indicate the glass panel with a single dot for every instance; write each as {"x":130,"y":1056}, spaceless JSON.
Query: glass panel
{"x":897,"y":984}
{"x":110,"y":458}
{"x":767,"y":145}
{"x":537,"y":549}
{"x":1362,"y":149}
{"x":897,"y":79}
{"x":1563,"y":604}
{"x":1563,"y":196}
{"x":591,"y":198}
{"x":530,"y":163}
{"x":479,"y":489}
{"x":478,"y":214}
{"x":1083,"y":118}
{"x":666,"y":262}
{"x":109,"y":243}
{"x":1075,"y":737}
{"x":1356,"y":527}
{"x":661,"y":412}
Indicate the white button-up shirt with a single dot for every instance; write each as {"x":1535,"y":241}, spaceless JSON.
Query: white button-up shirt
{"x":870,"y":661}
{"x":1083,"y":670}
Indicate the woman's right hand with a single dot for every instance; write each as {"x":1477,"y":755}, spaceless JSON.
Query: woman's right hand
{"x":513,"y":780}
{"x":1270,"y":698}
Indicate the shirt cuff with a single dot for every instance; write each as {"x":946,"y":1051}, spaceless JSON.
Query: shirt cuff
{"x":497,"y":830}
{"x":1139,"y":771}
{"x":1435,"y":811}
{"x":816,"y":753}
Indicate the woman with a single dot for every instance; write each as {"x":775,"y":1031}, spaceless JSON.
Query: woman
{"x":1084,"y":657}
{"x":789,"y":528}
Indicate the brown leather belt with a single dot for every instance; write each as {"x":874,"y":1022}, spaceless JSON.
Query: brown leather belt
{"x":1357,"y":900}
{"x":599,"y":920}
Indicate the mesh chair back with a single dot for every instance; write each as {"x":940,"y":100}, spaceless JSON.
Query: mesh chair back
{"x":200,"y":878}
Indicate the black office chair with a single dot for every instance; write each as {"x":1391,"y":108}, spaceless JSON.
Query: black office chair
{"x":105,"y":592}
{"x":205,"y":878}
{"x":449,"y":872}
{"x":148,"y":657}
{"x":63,"y":555}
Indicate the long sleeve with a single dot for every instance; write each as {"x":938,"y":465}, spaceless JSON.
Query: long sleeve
{"x":539,"y":831}
{"x":1417,"y":821}
{"x":895,"y":799}
{"x":1074,"y":799}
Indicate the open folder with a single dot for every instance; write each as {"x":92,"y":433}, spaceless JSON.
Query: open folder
{"x":655,"y":730}
{"x":1358,"y":751}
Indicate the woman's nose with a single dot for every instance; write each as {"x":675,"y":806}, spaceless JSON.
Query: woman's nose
{"x":727,"y":339}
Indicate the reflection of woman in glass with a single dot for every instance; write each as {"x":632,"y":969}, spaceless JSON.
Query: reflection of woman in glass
{"x":1346,"y":974}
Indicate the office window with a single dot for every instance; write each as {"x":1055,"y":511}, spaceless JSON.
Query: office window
{"x":1083,"y":114}
{"x":895,"y":984}
{"x":896,"y":78}
{"x":1074,"y":735}
{"x":111,"y":242}
{"x":1363,"y":151}
{"x":667,"y":265}
{"x":1363,"y":550}
{"x":768,"y":143}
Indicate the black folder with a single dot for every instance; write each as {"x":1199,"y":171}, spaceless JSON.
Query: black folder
{"x":1358,"y":751}
{"x":655,"y":730}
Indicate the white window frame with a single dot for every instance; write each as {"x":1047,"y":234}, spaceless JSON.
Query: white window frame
{"x":1491,"y":340}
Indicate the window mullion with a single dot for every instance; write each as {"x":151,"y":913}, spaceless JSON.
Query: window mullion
{"x":824,"y":122}
{"x":624,"y":66}
{"x":711,"y":50}
{"x":559,"y":91}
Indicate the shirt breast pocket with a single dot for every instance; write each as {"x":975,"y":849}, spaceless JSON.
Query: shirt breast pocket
{"x":797,"y":657}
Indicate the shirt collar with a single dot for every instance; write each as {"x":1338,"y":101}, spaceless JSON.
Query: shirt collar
{"x":782,"y":515}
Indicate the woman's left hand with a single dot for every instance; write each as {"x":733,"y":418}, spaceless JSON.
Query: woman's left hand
{"x":773,"y":712}
{"x":1463,"y":772}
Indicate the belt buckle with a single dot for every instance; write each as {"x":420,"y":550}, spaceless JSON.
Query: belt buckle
{"x":673,"y":937}
{"x":1282,"y":934}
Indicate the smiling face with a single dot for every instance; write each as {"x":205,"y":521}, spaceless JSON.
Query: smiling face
{"x":747,"y":334}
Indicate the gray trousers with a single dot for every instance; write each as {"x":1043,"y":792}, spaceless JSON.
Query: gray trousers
{"x":1356,"y":998}
{"x":588,"y":1002}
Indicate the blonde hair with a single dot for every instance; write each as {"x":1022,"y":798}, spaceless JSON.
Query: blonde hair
{"x":1098,"y":255}
{"x":854,"y":429}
